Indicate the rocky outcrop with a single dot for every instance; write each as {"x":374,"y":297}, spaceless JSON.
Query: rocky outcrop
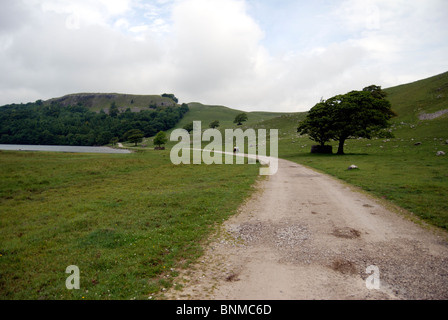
{"x":430,"y":116}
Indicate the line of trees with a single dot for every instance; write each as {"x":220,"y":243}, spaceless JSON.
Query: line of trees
{"x":54,"y":124}
{"x":239,"y":119}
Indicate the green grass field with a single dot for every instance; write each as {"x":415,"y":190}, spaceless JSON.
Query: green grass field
{"x":129,"y":222}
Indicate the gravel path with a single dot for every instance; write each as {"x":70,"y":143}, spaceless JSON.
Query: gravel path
{"x":304,"y":235}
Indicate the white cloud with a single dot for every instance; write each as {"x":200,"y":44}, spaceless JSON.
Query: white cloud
{"x":215,"y":45}
{"x":252,"y":54}
{"x":116,"y":7}
{"x":405,"y":42}
{"x":54,"y":60}
{"x":122,"y":23}
{"x":87,"y":11}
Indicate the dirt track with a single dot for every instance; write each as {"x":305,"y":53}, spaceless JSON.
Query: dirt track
{"x":304,"y":235}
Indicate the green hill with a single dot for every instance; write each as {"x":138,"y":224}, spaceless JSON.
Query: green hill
{"x":425,"y":96}
{"x":421,"y":106}
{"x":409,"y":101}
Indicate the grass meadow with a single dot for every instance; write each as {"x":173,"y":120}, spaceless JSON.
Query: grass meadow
{"x":129,"y":222}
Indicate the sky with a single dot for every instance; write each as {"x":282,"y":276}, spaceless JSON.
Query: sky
{"x":252,"y":55}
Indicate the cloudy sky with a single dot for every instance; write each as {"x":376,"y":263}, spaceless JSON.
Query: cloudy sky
{"x":246,"y":54}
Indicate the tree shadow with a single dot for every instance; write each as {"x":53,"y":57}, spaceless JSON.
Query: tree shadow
{"x":328,"y":155}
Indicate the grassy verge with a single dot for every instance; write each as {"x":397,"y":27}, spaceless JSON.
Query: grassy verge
{"x":127,"y":221}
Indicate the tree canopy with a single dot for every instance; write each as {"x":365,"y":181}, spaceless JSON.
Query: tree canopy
{"x":214,"y":124}
{"x":134,"y":136}
{"x":171,"y":96}
{"x":240,"y":118}
{"x":55,"y":124}
{"x":188,"y":127}
{"x":160,"y":138}
{"x":357,"y":114}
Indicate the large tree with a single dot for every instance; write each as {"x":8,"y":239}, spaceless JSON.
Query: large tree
{"x":318,"y":124}
{"x":171,"y":96}
{"x":113,"y":110}
{"x":357,"y":114}
{"x":188,"y":127}
{"x":134,"y":136}
{"x":240,"y":118}
{"x":160,"y":139}
{"x":214,"y":124}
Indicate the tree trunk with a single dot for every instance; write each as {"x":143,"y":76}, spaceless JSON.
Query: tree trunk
{"x":341,"y":146}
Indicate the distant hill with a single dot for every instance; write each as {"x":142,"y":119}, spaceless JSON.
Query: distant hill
{"x":410,"y":101}
{"x":422,"y":100}
{"x":225,"y":116}
{"x":102,"y":101}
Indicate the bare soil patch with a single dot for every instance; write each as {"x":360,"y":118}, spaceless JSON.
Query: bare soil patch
{"x":346,"y":232}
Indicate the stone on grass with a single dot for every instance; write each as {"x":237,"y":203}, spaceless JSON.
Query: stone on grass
{"x":352,"y":167}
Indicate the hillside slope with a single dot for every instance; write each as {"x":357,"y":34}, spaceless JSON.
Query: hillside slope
{"x":102,"y":101}
{"x":225,"y":116}
{"x":409,"y":101}
{"x":425,"y":96}
{"x":421,"y":106}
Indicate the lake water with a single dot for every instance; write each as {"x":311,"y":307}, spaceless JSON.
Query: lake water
{"x":76,"y":149}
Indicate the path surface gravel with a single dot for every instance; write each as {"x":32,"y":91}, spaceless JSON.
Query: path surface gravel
{"x":305,"y":235}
